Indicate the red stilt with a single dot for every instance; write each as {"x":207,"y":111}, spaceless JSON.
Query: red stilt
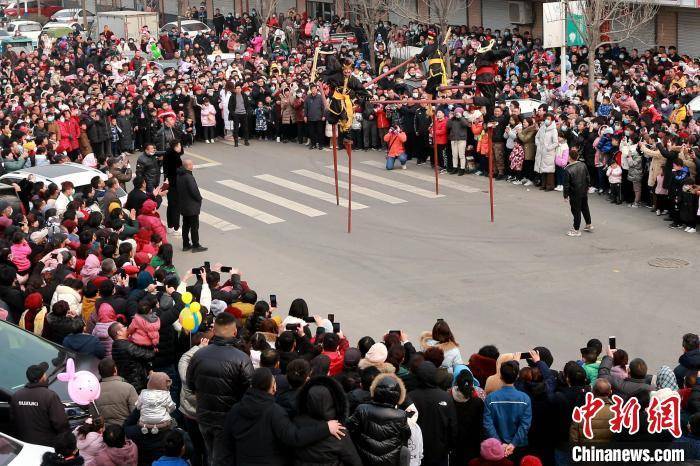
{"x":334,"y":142}
{"x":435,"y":151}
{"x":348,"y":149}
{"x":491,"y":170}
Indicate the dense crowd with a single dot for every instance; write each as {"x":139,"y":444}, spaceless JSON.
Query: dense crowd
{"x":255,"y":386}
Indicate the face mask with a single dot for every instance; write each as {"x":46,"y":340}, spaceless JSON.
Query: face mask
{"x":548,"y":122}
{"x":676,"y":105}
{"x":473,"y":77}
{"x":564,"y":127}
{"x":664,"y":106}
{"x":628,"y":133}
{"x":462,"y":61}
{"x":178,"y":92}
{"x":415,"y":96}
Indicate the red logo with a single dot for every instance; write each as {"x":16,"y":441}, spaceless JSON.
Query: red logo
{"x":665,"y":414}
{"x":585,"y":414}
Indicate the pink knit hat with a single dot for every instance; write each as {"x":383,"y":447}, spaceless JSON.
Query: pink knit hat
{"x":492,"y":450}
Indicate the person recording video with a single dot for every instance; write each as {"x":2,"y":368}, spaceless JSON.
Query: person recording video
{"x":395,"y":140}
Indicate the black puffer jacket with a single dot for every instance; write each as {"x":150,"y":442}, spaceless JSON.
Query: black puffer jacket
{"x":97,"y":130}
{"x":694,"y":400}
{"x":168,"y":313}
{"x":133,"y":362}
{"x":689,"y":362}
{"x":147,"y":167}
{"x":57,"y":327}
{"x":218,"y":374}
{"x":379,"y":432}
{"x":323,"y":399}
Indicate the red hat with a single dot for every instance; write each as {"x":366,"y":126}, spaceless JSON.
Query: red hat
{"x":141,"y":258}
{"x":131,"y":269}
{"x":530,"y":460}
{"x":33,"y":301}
{"x":70,"y":225}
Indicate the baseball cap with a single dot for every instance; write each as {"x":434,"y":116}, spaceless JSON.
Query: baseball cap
{"x":36,"y":371}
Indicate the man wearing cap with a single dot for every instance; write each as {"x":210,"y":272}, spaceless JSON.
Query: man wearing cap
{"x":37,"y":412}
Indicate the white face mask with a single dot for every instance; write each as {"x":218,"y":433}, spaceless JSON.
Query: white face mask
{"x":548,"y":122}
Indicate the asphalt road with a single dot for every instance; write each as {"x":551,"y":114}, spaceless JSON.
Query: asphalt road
{"x":411,"y":257}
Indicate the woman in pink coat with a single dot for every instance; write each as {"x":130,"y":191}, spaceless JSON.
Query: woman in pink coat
{"x":257,"y":43}
{"x":150,"y":219}
{"x":208,"y":116}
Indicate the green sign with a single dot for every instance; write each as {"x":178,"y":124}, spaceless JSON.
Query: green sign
{"x":575,"y":25}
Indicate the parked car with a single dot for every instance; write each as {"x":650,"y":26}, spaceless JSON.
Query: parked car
{"x":30,"y":29}
{"x":22,"y":349}
{"x":71,"y":15}
{"x":79,"y":174}
{"x":31,"y":7}
{"x":18,"y":43}
{"x":15,"y":452}
{"x":191,"y":26}
{"x":58,"y":29}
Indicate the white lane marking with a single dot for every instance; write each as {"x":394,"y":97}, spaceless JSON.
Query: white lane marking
{"x":430,"y":178}
{"x":212,"y":220}
{"x":206,"y":159}
{"x":388,"y":182}
{"x":240,"y":207}
{"x":273,"y":198}
{"x":318,"y":194}
{"x":206,"y":165}
{"x":356,"y":189}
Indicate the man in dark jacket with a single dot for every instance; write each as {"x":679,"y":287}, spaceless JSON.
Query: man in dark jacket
{"x":576,"y":182}
{"x":139,"y":195}
{"x":133,"y":362}
{"x":314,"y":117}
{"x":148,"y":167}
{"x":37,"y":412}
{"x":257,"y":430}
{"x":218,"y":375}
{"x":239,"y":107}
{"x":437,"y":415}
{"x":10,"y":294}
{"x":98,"y":134}
{"x":637,"y":384}
{"x":689,"y":362}
{"x":168,"y":132}
{"x":190,"y":202}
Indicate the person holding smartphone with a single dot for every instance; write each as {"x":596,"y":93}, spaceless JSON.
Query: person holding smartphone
{"x":395,"y":140}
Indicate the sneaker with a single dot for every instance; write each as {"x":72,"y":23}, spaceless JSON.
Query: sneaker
{"x":278,"y":139}
{"x":686,"y":229}
{"x":199,"y":248}
{"x":573,"y":232}
{"x":404,"y":167}
{"x":461,"y":172}
{"x":528,"y":183}
{"x":510,"y":178}
{"x":691,"y":230}
{"x":173,"y":232}
{"x":443,"y":171}
{"x":186,"y":247}
{"x":658,"y":213}
{"x":518,"y":182}
{"x":589,"y":228}
{"x":477,"y":173}
{"x":312,"y":146}
{"x":559,"y":188}
{"x":591,"y":190}
{"x":634,"y":205}
{"x":419,"y":162}
{"x":246,"y":143}
{"x":675,"y":225}
{"x":664,"y":212}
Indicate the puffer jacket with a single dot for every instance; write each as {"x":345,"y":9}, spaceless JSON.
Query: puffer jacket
{"x":133,"y":362}
{"x":89,"y":446}
{"x":148,"y":167}
{"x":626,"y":388}
{"x":688,"y":362}
{"x":634,"y":166}
{"x":323,"y":399}
{"x":547,"y":142}
{"x":144,"y":329}
{"x":656,"y":166}
{"x":56,"y":328}
{"x":105,"y":318}
{"x":379,"y":431}
{"x":451,"y":351}
{"x":527,"y":138}
{"x":218,"y":374}
{"x":208,"y":115}
{"x":117,"y":399}
{"x":149,"y":219}
{"x":600,"y":425}
{"x":69,"y":295}
{"x":128,"y":455}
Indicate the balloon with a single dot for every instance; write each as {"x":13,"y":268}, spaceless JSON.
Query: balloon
{"x":83,"y":386}
{"x":195,"y":306}
{"x":187,"y":319}
{"x":197,"y":320}
{"x":186,"y":297}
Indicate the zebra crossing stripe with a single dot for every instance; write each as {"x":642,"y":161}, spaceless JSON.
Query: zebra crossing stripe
{"x":389,"y":182}
{"x":318,"y":194}
{"x":356,"y":189}
{"x":212,"y":220}
{"x":429,"y":178}
{"x":239,"y":207}
{"x":273,"y":198}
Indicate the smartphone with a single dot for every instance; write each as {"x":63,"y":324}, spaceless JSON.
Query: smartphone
{"x":395,"y":332}
{"x":207,"y":266}
{"x":441,"y":320}
{"x":225,"y":269}
{"x":525,"y":355}
{"x":336,"y":327}
{"x":160,"y":288}
{"x":273,"y":300}
{"x":196,"y":270}
{"x":612,"y":342}
{"x":331,"y":317}
{"x":292,"y":327}
{"x":309,"y":320}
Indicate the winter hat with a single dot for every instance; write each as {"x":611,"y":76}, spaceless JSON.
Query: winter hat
{"x":352,"y":357}
{"x":217,"y":307}
{"x":141,"y":258}
{"x":459,"y":110}
{"x":106,"y":314}
{"x":530,"y":460}
{"x":492,"y":450}
{"x":377,"y":353}
{"x":143,"y":279}
{"x":159,"y":381}
{"x":33,"y":301}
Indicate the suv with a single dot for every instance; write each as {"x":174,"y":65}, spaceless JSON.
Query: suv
{"x":21,"y":349}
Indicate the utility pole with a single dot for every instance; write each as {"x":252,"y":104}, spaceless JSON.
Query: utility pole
{"x":564,"y":5}
{"x":179,"y":16}
{"x":85,"y":21}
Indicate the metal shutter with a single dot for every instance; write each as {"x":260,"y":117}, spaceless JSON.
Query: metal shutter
{"x":688,"y":27}
{"x":495,"y":14}
{"x":283,"y":6}
{"x":396,"y":18}
{"x":225,"y":6}
{"x":645,"y":38}
{"x":457,"y":14}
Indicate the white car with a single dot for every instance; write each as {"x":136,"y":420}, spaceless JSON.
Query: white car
{"x":61,"y":25}
{"x":30,"y":29}
{"x":71,"y":15}
{"x":16,"y":452}
{"x":190,"y":26}
{"x":78,"y":174}
{"x":528,"y":107}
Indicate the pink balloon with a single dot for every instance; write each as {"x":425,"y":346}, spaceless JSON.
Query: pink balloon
{"x":83,"y":386}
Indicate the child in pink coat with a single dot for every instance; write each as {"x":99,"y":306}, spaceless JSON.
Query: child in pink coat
{"x":144,"y":327}
{"x":20,"y":252}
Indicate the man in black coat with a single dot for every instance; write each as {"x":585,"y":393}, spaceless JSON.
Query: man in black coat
{"x":139,"y":195}
{"x":239,"y":107}
{"x":133,"y":362}
{"x":218,"y":375}
{"x":689,"y":361}
{"x":257,"y":430}
{"x":576,"y":183}
{"x":148,"y":167}
{"x":11,"y":295}
{"x":190,"y":202}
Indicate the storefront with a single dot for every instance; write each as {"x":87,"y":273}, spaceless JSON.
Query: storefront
{"x":320,"y":8}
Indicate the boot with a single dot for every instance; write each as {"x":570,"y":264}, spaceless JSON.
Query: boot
{"x":452,"y":171}
{"x":461,"y":172}
{"x":235,"y":142}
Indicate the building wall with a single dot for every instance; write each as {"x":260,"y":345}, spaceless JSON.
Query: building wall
{"x":667,"y":27}
{"x":474,"y":13}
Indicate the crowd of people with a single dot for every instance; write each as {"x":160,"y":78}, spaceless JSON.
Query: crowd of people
{"x":252,"y":385}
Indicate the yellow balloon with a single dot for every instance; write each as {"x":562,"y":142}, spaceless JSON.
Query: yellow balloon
{"x":195,"y":307}
{"x":187,"y":320}
{"x":186,"y":297}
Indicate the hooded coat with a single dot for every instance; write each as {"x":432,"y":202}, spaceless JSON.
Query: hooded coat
{"x":149,"y":219}
{"x":323,"y":399}
{"x":547,"y":142}
{"x":450,"y":350}
{"x":127,"y":455}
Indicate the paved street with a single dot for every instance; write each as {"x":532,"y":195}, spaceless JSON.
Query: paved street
{"x":521,"y":282}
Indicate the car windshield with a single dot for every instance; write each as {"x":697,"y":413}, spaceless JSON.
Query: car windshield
{"x":26,"y":349}
{"x":194,"y":27}
{"x":9,"y":450}
{"x":30,"y":27}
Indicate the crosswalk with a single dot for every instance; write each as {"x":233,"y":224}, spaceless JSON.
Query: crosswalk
{"x":298,"y":192}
